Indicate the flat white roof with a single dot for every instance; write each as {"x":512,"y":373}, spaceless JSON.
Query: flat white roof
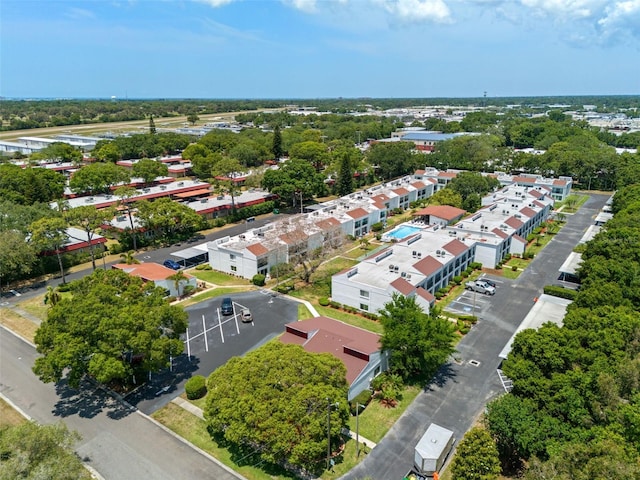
{"x":572,"y":263}
{"x":547,"y":309}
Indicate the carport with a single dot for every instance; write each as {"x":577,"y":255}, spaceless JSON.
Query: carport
{"x":570,"y":267}
{"x":192,"y":256}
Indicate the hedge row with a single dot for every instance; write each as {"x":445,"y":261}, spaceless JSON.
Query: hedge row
{"x":561,"y":292}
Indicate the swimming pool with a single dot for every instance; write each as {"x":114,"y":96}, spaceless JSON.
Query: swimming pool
{"x":402,"y":232}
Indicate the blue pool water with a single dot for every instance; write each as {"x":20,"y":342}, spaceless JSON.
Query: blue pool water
{"x":403,"y":232}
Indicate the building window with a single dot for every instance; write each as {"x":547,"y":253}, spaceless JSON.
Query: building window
{"x":364,"y":307}
{"x":364,"y":294}
{"x":232,"y":256}
{"x":234,"y":268}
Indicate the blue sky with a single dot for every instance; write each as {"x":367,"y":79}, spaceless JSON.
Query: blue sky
{"x":318,"y":48}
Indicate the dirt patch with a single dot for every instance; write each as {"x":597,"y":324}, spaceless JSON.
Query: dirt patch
{"x":18,"y":324}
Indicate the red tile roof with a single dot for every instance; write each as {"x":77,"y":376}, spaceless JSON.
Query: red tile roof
{"x":258,"y":249}
{"x":349,"y":344}
{"x":447,"y":174}
{"x":150,"y":271}
{"x":456,"y":247}
{"x":513,"y":222}
{"x":418,"y":185}
{"x":559,"y":182}
{"x":402,"y":286}
{"x":539,"y":204}
{"x":446,"y":212}
{"x":380,"y":198}
{"x":193,"y":193}
{"x":520,"y":239}
{"x":432,"y":180}
{"x":427,"y":265}
{"x":357,"y":213}
{"x":419,"y":172}
{"x":292,"y":238}
{"x":535,"y":193}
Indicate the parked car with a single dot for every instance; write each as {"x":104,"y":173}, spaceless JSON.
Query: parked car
{"x":488,"y":282}
{"x":246,"y":315}
{"x":226,"y":308}
{"x":172,"y":264}
{"x":480,"y":287}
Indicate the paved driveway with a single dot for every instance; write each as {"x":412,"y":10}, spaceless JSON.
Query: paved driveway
{"x":226,"y":336}
{"x":460,"y":391}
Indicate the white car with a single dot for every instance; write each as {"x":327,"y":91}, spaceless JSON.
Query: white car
{"x":246,"y":316}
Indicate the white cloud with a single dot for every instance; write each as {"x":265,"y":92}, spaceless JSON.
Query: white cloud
{"x":216,"y":3}
{"x":417,"y":11}
{"x":308,"y":6}
{"x":562,"y":9}
{"x":621,"y":15}
{"x":79,"y":13}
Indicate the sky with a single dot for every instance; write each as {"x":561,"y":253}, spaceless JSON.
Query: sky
{"x":318,"y":48}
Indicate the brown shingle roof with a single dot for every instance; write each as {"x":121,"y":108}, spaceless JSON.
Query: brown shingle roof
{"x":446,"y":212}
{"x":421,"y":292}
{"x":328,"y":223}
{"x":402,"y":286}
{"x":258,"y":249}
{"x":559,"y":182}
{"x":513,"y":222}
{"x":500,"y":233}
{"x":401,"y":191}
{"x":357,"y":213}
{"x":350,"y":344}
{"x":527,"y":212}
{"x":448,"y":174}
{"x":427,"y":265}
{"x":535,"y":193}
{"x":147,"y":271}
{"x":456,"y":247}
{"x":418,"y":185}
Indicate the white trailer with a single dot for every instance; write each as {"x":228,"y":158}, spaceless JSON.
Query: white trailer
{"x":432,"y":449}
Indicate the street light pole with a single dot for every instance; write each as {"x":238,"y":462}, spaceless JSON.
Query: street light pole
{"x":328,"y":432}
{"x":357,"y":430}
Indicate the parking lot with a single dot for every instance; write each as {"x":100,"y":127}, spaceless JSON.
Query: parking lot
{"x":213,"y":338}
{"x":474,"y":303}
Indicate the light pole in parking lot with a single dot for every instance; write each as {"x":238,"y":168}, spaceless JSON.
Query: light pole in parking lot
{"x":329,"y":405}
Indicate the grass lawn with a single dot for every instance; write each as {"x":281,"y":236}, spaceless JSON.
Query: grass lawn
{"x":8,"y":416}
{"x":457,"y":290}
{"x":376,"y":420}
{"x":358,"y":252}
{"x":303,"y":312}
{"x":36,"y":306}
{"x":517,"y":262}
{"x":18,"y":324}
{"x":194,"y":430}
{"x":351,"y":319}
{"x":216,"y":292}
{"x":200,"y":402}
{"x":218,"y":278}
{"x":542,"y":240}
{"x":572,"y":203}
{"x":508,"y":273}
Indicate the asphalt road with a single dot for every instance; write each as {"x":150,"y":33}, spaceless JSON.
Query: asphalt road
{"x":118,"y":442}
{"x":460,"y":391}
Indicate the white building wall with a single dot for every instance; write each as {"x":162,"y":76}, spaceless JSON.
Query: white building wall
{"x":171,"y":285}
{"x":348,"y":293}
{"x":517,"y":247}
{"x":487,"y":254}
{"x":378,"y":363}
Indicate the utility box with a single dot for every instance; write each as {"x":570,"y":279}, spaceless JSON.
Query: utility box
{"x":432,"y":449}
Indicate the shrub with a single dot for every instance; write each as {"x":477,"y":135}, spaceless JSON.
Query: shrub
{"x":465,"y":274}
{"x":457,"y":279}
{"x":561,"y":292}
{"x":438,"y":295}
{"x":115,"y":248}
{"x":334,"y":304}
{"x":443,"y":290}
{"x":351,"y":238}
{"x":258,"y":280}
{"x":196,"y":387}
{"x":170,"y":299}
{"x":514,"y":268}
{"x":64,"y":287}
{"x":468,"y":318}
{"x":475,"y":265}
{"x":363,"y":398}
{"x":188,"y":290}
{"x":377,"y":227}
{"x":323,"y":301}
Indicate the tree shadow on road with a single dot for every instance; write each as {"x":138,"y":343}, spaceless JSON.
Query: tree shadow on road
{"x":444,"y":374}
{"x":87,"y":401}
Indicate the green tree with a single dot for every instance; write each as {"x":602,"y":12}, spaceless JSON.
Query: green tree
{"x":107,"y":152}
{"x":293,"y":178}
{"x":225,"y":172}
{"x":149,"y":170}
{"x":393,"y":159}
{"x":345,"y":177}
{"x":50,"y":235}
{"x":109,"y":319}
{"x":273,"y":402}
{"x":125,"y":194}
{"x":58,"y":152}
{"x":27,"y":186}
{"x":446,"y":196}
{"x":152,"y":125}
{"x":419,"y":342}
{"x":32,"y":451}
{"x":192,"y":118}
{"x":167,"y":217}
{"x":202,"y":166}
{"x":313,"y":152}
{"x":98,"y":178}
{"x":476,"y":457}
{"x":17,"y":256}
{"x":128,"y":258}
{"x":89,"y":219}
{"x":52,"y":297}
{"x":179,"y":279}
{"x":276,"y":146}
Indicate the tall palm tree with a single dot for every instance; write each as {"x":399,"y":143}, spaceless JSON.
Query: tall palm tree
{"x":52,"y":297}
{"x":178,"y":279}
